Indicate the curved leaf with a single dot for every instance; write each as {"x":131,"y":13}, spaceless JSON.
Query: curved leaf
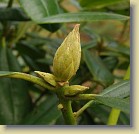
{"x":113,"y":96}
{"x":122,"y":104}
{"x":38,"y":9}
{"x":120,"y":90}
{"x":15,"y":101}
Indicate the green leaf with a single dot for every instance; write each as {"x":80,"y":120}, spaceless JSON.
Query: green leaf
{"x":89,"y":45}
{"x":111,"y":62}
{"x":30,"y":53}
{"x":98,"y":70}
{"x":122,"y":104}
{"x":12,"y":14}
{"x":15,"y":101}
{"x":94,"y":4}
{"x":30,"y":50}
{"x":38,"y":52}
{"x":30,"y":62}
{"x":119,"y":48}
{"x":120,"y":90}
{"x":82,"y":17}
{"x":114,"y":95}
{"x":45,"y":113}
{"x":38,"y":9}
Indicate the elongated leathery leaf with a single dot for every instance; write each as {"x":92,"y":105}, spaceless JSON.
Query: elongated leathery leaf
{"x":122,"y":104}
{"x":120,"y":90}
{"x":15,"y":102}
{"x":114,"y":95}
{"x":81,"y":17}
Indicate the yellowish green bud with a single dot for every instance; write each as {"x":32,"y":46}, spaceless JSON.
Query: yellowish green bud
{"x":49,"y":78}
{"x":67,"y":58}
{"x":74,"y":90}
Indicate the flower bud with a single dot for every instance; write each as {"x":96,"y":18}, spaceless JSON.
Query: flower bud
{"x":74,"y":90}
{"x":49,"y":78}
{"x":67,"y":58}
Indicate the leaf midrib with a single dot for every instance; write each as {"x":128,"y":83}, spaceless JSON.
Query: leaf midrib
{"x":45,"y":7}
{"x":103,"y":94}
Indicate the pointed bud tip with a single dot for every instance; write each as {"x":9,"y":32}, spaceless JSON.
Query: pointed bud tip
{"x":76,"y":27}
